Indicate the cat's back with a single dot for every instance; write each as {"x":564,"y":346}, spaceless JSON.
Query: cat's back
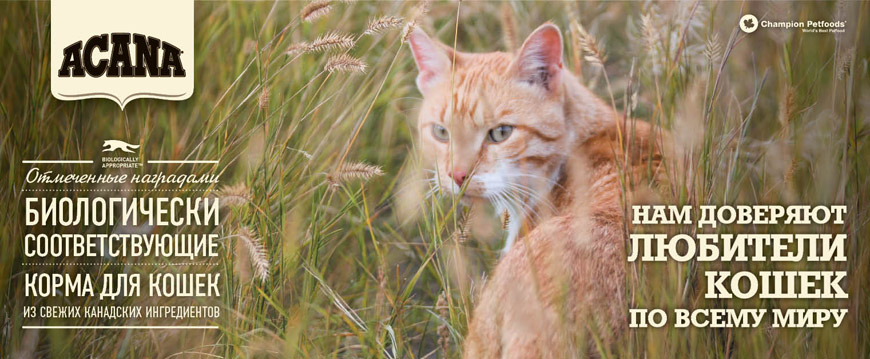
{"x":616,"y":138}
{"x":565,"y":274}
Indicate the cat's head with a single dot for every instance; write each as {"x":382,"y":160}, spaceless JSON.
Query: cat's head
{"x":493,"y":123}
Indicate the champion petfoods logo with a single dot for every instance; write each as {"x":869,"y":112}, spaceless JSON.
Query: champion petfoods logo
{"x":749,"y":23}
{"x":121,"y":50}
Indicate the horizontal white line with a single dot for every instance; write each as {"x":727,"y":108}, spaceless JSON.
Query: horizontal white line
{"x":119,"y":327}
{"x":188,"y":161}
{"x":57,"y":161}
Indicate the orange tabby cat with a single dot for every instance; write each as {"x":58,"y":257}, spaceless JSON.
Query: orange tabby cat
{"x":521,"y":132}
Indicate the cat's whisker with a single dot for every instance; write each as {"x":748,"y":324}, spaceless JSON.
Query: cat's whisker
{"x":538,"y":198}
{"x":513,"y":195}
{"x":529,"y":190}
{"x":550,"y":183}
{"x":548,"y":180}
{"x":540,"y":201}
{"x":531,"y":212}
{"x":498,"y":202}
{"x":505,"y":204}
{"x":526,"y":208}
{"x":533,"y":208}
{"x":433,"y":190}
{"x":522,"y":190}
{"x":515,"y":205}
{"x":534,"y":198}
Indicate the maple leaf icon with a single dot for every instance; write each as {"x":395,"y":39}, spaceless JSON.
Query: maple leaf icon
{"x":748,"y":23}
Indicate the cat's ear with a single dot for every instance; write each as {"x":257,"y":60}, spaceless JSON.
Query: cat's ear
{"x":432,"y":60}
{"x":539,"y":61}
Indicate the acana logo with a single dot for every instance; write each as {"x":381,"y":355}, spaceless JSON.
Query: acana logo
{"x":79,"y":60}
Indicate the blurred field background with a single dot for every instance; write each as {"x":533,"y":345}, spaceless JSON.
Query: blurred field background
{"x":332,"y":249}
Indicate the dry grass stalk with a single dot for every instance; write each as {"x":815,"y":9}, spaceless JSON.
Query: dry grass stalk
{"x":353,"y":170}
{"x":509,"y":27}
{"x":330,"y":41}
{"x":315,"y":10}
{"x":345,"y":63}
{"x":236,"y":195}
{"x":256,"y":252}
{"x":381,"y":24}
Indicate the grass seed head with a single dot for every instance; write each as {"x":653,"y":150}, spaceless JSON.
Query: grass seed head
{"x":594,"y":52}
{"x":234,"y":196}
{"x":256,"y":252}
{"x":713,"y":49}
{"x":331,"y":41}
{"x":263,"y":100}
{"x":787,"y":108}
{"x":844,"y":66}
{"x":345,"y":63}
{"x":416,"y":14}
{"x":315,"y":10}
{"x":353,"y":170}
{"x":652,"y":40}
{"x":297,"y":48}
{"x":443,"y":330}
{"x":461,"y":233}
{"x":509,"y":27}
{"x":382,"y":24}
{"x":249,"y":46}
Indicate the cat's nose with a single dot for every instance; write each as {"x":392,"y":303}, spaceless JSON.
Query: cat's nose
{"x":458,"y":176}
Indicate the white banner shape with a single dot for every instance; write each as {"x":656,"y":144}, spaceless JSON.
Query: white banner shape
{"x":122,"y":50}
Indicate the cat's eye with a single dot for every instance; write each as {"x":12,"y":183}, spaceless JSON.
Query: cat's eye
{"x":440,"y":133}
{"x":500,"y":133}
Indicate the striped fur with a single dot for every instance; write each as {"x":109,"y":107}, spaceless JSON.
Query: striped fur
{"x":555,"y":175}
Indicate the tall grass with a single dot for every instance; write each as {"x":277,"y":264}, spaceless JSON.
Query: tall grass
{"x":332,"y":249}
